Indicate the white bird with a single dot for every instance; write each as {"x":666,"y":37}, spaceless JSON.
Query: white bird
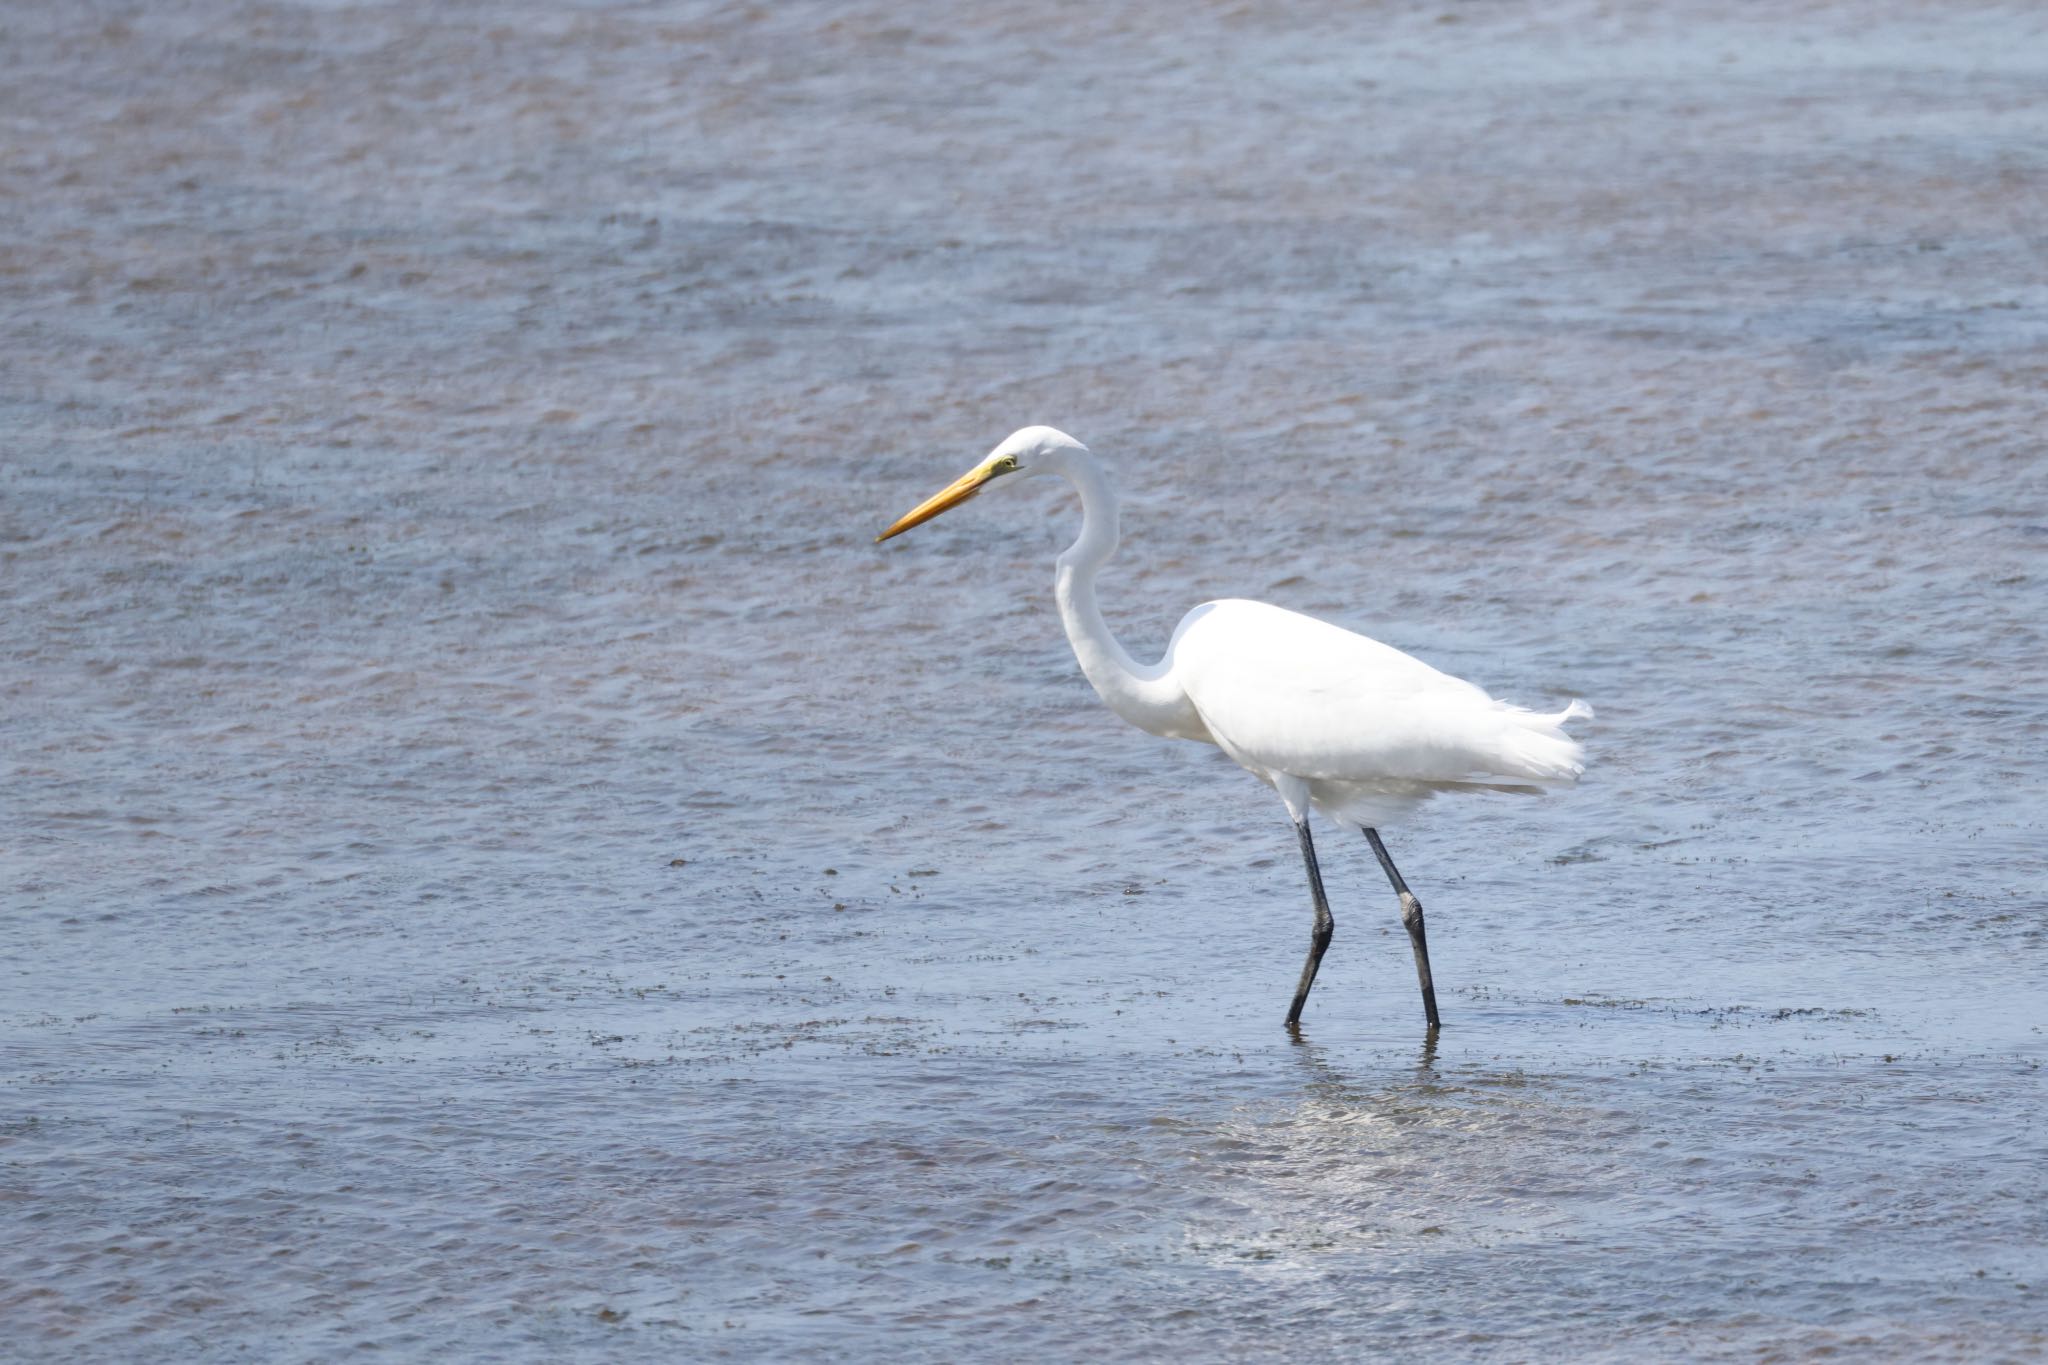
{"x":1332,"y":720}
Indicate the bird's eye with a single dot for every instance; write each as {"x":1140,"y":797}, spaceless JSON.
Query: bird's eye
{"x":1009,"y":465}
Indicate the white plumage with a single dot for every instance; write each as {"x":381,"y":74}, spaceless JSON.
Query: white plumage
{"x":1372,"y":731}
{"x":1334,"y":721}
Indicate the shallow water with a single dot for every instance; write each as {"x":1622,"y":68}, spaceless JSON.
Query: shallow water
{"x":496,"y":863}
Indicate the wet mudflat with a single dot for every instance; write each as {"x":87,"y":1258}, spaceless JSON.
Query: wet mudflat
{"x":495,"y":863}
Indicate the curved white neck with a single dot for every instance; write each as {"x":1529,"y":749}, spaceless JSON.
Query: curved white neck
{"x":1143,"y":694}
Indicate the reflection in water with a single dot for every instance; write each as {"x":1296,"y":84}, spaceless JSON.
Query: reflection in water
{"x":1394,"y":1153}
{"x":1326,"y":1078}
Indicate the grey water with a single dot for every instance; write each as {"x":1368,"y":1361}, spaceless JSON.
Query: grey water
{"x":495,"y":864}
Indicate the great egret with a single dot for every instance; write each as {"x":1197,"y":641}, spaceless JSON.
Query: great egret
{"x":1332,"y":720}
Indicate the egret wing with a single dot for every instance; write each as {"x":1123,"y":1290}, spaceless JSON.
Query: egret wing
{"x":1286,"y":693}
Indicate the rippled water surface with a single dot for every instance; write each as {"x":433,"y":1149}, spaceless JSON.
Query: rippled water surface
{"x":497,"y":864}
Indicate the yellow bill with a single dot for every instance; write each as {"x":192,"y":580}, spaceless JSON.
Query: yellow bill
{"x":952,"y":495}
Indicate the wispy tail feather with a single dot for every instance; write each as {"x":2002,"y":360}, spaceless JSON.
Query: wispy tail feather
{"x":1536,"y":747}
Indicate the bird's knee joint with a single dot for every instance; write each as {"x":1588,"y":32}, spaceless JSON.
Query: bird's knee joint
{"x":1411,"y":909}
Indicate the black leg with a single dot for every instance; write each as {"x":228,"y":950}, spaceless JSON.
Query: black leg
{"x":1411,"y":915}
{"x":1325,"y":929}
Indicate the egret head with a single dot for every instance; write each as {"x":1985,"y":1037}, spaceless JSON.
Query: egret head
{"x":1033,"y":450}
